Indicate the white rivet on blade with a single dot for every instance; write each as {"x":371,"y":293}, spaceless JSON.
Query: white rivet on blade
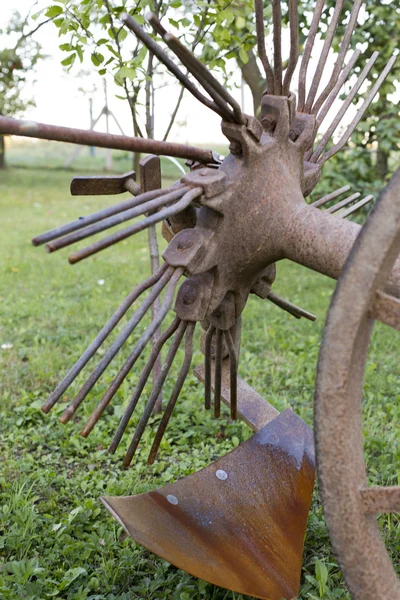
{"x":222,"y":475}
{"x":172,"y":499}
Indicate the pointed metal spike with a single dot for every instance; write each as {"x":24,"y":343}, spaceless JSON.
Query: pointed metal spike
{"x":336,"y":207}
{"x":343,"y":109}
{"x":262,"y":53}
{"x":341,"y":56}
{"x":350,"y":129}
{"x":117,"y":344}
{"x":207,"y":363}
{"x":355,"y":207}
{"x":141,"y":383}
{"x":233,"y":366}
{"x":277,"y":21}
{"x":307,"y":53}
{"x":294,"y":45}
{"x":218,"y":373}
{"x":154,"y":394}
{"x":158,"y":202}
{"x":101,"y":337}
{"x":331,"y":196}
{"x":292,"y":309}
{"x":175,"y":393}
{"x":82,"y":222}
{"x":324,"y":56}
{"x":171,"y":66}
{"x":129,"y":231}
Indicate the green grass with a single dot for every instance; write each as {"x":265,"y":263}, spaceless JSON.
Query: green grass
{"x":56,"y":540}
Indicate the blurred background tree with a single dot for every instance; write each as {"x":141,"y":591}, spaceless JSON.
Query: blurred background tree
{"x":16,"y":62}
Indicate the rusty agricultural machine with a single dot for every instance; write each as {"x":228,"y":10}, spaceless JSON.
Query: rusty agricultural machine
{"x":240,"y":522}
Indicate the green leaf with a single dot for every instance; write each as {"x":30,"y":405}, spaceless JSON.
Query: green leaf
{"x":97,"y":58}
{"x":243,"y":55}
{"x":54,"y":11}
{"x":69,"y":60}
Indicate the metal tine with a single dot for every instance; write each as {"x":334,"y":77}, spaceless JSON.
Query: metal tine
{"x":122,"y":217}
{"x":345,"y":202}
{"x":171,"y":66}
{"x":331,"y":196}
{"x":334,"y":93}
{"x":106,"y":399}
{"x":199,"y":71}
{"x":117,"y":345}
{"x":307,"y":53}
{"x":137,"y":436}
{"x":207,"y":367}
{"x":370,"y":96}
{"x":292,"y":309}
{"x":343,"y":109}
{"x":129,"y":231}
{"x":324,"y":56}
{"x":332,"y":97}
{"x":141,"y":383}
{"x":262,"y":53}
{"x":175,"y":393}
{"x":233,"y":367}
{"x":277,"y":21}
{"x":294,"y":45}
{"x":98,"y":216}
{"x":356,"y":206}
{"x":218,"y":373}
{"x":341,"y":56}
{"x":101,"y":336}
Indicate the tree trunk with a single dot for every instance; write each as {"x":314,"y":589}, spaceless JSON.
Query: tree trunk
{"x":2,"y":152}
{"x":253,"y":77}
{"x":382,"y":164}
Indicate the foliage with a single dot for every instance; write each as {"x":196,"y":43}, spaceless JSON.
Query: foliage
{"x":56,"y":541}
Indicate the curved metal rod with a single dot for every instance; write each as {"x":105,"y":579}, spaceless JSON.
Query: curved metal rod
{"x":141,"y":383}
{"x":307,"y":53}
{"x":370,"y":96}
{"x":324,"y":56}
{"x":233,"y":367}
{"x":137,"y":436}
{"x":82,"y":222}
{"x":171,"y":66}
{"x":277,"y":21}
{"x":129,"y":231}
{"x":294,"y":45}
{"x":117,"y":345}
{"x":111,"y":391}
{"x":262,"y":53}
{"x":207,"y":367}
{"x":343,"y":109}
{"x":175,"y":393}
{"x":199,"y":71}
{"x":340,"y":58}
{"x":218,"y":373}
{"x":101,"y":336}
{"x":150,"y":206}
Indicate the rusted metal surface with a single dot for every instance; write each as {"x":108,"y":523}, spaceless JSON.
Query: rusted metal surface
{"x":348,"y":501}
{"x":85,"y":137}
{"x":150,"y":180}
{"x":240,"y":522}
{"x":106,"y":184}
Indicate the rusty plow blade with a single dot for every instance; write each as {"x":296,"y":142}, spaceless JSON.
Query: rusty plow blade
{"x":240,"y":522}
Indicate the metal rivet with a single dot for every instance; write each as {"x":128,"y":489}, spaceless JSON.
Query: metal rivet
{"x":172,"y":499}
{"x":222,"y":475}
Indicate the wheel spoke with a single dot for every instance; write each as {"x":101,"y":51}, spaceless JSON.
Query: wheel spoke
{"x":381,"y":499}
{"x":386,"y":308}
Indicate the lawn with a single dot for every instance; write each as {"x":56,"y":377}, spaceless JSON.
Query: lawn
{"x":56,"y":539}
